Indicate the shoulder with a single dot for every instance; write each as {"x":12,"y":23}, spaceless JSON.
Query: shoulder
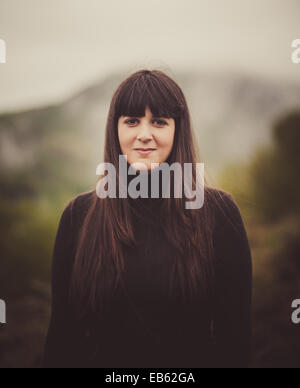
{"x":77,"y":207}
{"x":227,"y":214}
{"x":221,"y":200}
{"x":230,"y":239}
{"x":69,"y":226}
{"x":81,"y":201}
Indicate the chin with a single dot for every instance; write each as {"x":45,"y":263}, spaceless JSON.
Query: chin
{"x":141,"y":164}
{"x":145,"y":164}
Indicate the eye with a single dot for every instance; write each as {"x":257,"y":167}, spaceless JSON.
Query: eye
{"x":132,"y":122}
{"x":129,"y":121}
{"x":160,"y":122}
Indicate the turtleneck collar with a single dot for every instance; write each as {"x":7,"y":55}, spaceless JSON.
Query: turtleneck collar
{"x":148,"y":208}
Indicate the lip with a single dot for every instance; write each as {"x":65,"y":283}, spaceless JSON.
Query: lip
{"x":145,"y":151}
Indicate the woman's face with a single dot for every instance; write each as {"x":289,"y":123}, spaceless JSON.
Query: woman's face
{"x":148,"y":132}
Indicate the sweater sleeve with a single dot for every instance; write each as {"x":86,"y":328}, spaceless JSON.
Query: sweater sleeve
{"x":61,"y":332}
{"x":233,"y":298}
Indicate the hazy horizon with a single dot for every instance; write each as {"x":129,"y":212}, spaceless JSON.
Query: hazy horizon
{"x":57,"y":47}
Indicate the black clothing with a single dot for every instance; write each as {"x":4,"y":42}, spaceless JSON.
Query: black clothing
{"x":154,"y":331}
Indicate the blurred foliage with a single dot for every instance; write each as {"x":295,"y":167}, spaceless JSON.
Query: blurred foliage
{"x":30,"y":225}
{"x":268,"y":193}
{"x":33,"y":195}
{"x":269,"y":187}
{"x":276,"y":171}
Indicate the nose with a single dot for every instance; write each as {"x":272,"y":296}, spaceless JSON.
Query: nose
{"x":145,"y":133}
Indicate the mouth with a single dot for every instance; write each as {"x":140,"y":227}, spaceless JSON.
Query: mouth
{"x":145,"y":151}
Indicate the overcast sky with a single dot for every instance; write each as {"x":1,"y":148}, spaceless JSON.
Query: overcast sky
{"x":55,"y":47}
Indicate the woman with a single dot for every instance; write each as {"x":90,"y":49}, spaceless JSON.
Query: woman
{"x":145,"y":282}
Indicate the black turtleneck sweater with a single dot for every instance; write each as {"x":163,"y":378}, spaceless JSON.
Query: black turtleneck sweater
{"x":152,"y":330}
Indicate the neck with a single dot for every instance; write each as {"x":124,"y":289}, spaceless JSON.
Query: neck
{"x":145,"y":206}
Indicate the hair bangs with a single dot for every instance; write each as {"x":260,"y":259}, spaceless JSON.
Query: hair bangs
{"x":146,"y":91}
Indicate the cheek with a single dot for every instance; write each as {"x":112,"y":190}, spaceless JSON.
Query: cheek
{"x":167,"y":140}
{"x":124,"y":138}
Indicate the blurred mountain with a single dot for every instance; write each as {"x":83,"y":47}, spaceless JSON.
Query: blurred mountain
{"x":232,"y":115}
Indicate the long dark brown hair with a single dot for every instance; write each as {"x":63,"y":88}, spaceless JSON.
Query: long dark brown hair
{"x":108,"y":227}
